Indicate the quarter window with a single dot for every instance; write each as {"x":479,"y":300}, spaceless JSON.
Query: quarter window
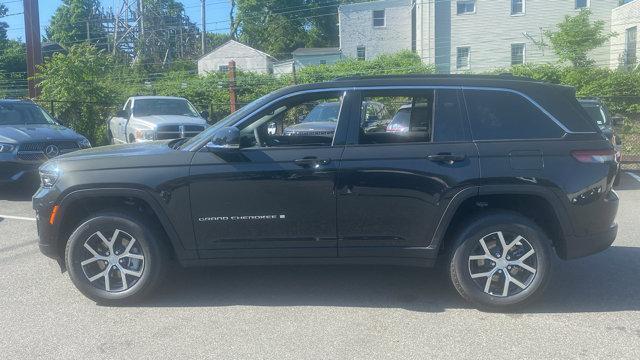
{"x":517,"y":7}
{"x":517,"y":54}
{"x":503,"y":115}
{"x":379,"y":18}
{"x":462,"y":58}
{"x":466,"y":7}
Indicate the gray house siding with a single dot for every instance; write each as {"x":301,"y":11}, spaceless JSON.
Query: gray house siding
{"x":246,"y":58}
{"x":356,"y":28}
{"x":624,"y":18}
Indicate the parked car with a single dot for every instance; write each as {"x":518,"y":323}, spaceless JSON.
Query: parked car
{"x":496,"y":186}
{"x":599,"y":113}
{"x":149,"y":118}
{"x":29,"y":136}
{"x":323,"y":118}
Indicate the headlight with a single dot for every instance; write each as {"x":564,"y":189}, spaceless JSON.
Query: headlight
{"x":84,"y":144}
{"x":49,"y":174}
{"x":145,"y":135}
{"x":6,"y":148}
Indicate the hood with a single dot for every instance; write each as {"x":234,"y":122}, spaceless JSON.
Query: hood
{"x":313,"y":126}
{"x":125,"y":150}
{"x":171,"y":120}
{"x":36,"y":132}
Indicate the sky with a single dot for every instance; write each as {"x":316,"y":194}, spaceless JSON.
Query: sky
{"x":217,"y":14}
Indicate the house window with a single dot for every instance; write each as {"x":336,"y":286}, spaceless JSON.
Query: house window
{"x":223,"y":68}
{"x":631,"y":46}
{"x":582,"y":4}
{"x":466,"y":7}
{"x":517,"y":7}
{"x":323,"y":62}
{"x":517,"y":54}
{"x":462,"y":58}
{"x":378,"y":18}
{"x":361,"y":52}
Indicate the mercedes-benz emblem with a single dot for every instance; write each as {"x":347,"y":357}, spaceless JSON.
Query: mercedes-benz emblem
{"x":51,"y":151}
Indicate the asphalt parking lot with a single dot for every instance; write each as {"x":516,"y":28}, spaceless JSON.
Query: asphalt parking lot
{"x":591,"y":308}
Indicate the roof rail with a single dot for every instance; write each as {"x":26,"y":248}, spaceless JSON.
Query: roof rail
{"x":503,"y":76}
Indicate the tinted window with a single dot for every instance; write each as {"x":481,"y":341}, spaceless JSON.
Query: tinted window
{"x":148,"y":107}
{"x":500,"y":115}
{"x":399,"y":117}
{"x":449,"y":124}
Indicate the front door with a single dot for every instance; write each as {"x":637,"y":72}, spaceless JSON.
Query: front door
{"x":400,"y":170}
{"x":275,"y":197}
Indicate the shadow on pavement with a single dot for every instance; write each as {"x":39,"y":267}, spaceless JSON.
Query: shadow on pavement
{"x":19,"y":192}
{"x":628,"y":183}
{"x":601,"y":283}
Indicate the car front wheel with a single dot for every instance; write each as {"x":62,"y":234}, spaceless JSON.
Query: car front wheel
{"x":501,"y":262}
{"x":114,"y":258}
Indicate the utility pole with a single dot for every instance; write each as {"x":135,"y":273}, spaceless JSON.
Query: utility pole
{"x":233,"y":96}
{"x":203,"y":21}
{"x":32,"y":37}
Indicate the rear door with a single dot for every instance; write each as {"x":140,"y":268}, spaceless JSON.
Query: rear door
{"x":395,"y":181}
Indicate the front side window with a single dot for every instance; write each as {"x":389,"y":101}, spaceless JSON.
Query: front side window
{"x":466,"y":7}
{"x":379,"y":18}
{"x":631,"y":45}
{"x":361,"y":53}
{"x":462,"y":58}
{"x":396,"y":116}
{"x":150,"y":107}
{"x":504,"y":115}
{"x":582,"y":4}
{"x":517,"y":54}
{"x":517,"y":7}
{"x":306,"y":120}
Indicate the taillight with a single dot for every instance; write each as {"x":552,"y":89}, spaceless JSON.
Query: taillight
{"x":594,"y":156}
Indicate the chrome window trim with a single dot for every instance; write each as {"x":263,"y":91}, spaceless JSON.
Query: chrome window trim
{"x":198,"y":147}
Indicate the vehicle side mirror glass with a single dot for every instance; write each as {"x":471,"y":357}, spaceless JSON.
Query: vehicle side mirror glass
{"x":205,"y":115}
{"x":617,"y":120}
{"x":122,"y":114}
{"x":225,"y":139}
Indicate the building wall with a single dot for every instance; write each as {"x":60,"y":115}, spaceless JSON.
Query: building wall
{"x":306,"y":60}
{"x":623,"y":18}
{"x":490,"y":31}
{"x":356,"y":28}
{"x":246,"y":58}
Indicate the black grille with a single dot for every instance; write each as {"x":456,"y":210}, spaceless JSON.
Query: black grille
{"x":35,"y":151}
{"x":166,"y":132}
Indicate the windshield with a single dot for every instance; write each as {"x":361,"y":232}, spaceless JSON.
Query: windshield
{"x":149,"y":107}
{"x":324,"y":112}
{"x":596,"y":114}
{"x":23,"y":114}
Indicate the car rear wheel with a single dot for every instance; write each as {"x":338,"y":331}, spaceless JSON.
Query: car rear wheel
{"x":501,"y":262}
{"x":115,"y":259}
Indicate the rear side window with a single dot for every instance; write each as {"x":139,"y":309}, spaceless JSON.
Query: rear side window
{"x":449,"y":124}
{"x":502,"y":115}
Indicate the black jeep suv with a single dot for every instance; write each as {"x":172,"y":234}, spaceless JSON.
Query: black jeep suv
{"x":492,"y":176}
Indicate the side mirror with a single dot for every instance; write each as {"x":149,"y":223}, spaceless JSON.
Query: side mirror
{"x":226,"y":139}
{"x":122,"y":114}
{"x":617,"y":120}
{"x":205,"y":115}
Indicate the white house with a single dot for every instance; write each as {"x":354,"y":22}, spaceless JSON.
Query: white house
{"x":464,"y":35}
{"x":246,"y":58}
{"x":369,"y":29}
{"x":625,"y":22}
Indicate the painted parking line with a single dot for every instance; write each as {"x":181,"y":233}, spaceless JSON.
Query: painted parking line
{"x":635,"y":176}
{"x":17,"y":217}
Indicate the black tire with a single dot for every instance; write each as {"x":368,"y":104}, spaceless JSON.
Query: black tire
{"x":149,"y":244}
{"x":467,"y":242}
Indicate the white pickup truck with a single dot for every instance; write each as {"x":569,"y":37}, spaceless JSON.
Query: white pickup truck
{"x":148,"y":118}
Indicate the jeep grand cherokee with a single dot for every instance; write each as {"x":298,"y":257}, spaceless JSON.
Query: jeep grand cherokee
{"x":498,"y":176}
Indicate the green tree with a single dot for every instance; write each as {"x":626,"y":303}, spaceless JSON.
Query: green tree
{"x":576,"y":36}
{"x":280,"y":26}
{"x":84,"y":92}
{"x":77,"y":21}
{"x":217,"y":39}
{"x":13,"y":65}
{"x":3,"y":25}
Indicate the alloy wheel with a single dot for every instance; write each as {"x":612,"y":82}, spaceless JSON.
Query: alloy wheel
{"x":503,"y":264}
{"x":112,"y":264}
